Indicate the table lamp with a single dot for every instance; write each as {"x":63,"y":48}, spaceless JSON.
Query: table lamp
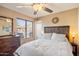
{"x":73,"y":37}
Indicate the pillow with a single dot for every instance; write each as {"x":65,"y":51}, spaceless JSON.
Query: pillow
{"x":40,"y":36}
{"x":47,"y":36}
{"x":58,"y":37}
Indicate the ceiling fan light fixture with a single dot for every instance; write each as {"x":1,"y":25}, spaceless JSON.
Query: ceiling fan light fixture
{"x":38,"y":7}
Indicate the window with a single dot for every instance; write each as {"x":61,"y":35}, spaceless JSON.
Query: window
{"x":29,"y":29}
{"x":24,"y":28}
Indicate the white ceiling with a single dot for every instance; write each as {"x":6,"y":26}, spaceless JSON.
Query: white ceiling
{"x":56,"y":7}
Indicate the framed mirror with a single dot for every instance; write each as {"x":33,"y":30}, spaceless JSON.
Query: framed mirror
{"x":6,"y":26}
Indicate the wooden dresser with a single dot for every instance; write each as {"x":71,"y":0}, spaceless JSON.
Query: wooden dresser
{"x":8,"y":44}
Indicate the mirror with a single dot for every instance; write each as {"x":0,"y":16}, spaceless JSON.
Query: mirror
{"x":6,"y":26}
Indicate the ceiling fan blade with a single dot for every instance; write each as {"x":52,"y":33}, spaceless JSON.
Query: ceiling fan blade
{"x":25,"y":6}
{"x":47,"y":9}
{"x":22,"y":6}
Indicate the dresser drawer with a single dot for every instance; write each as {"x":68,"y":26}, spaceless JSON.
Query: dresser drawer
{"x":9,"y":45}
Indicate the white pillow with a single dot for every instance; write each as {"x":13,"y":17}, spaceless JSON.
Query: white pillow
{"x":58,"y":37}
{"x":48,"y":36}
{"x":40,"y":36}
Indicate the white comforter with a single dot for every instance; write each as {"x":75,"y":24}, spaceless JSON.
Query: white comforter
{"x":44,"y":48}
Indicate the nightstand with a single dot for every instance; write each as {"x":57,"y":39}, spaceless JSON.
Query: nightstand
{"x":74,"y":48}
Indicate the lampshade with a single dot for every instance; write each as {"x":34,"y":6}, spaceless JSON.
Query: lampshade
{"x":73,"y":34}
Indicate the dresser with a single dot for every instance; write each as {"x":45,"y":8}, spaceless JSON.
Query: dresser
{"x":8,"y":44}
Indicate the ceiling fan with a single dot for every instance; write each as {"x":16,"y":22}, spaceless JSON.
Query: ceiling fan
{"x":37,"y":7}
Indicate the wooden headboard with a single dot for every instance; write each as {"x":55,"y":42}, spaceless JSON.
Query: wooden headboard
{"x":57,"y":29}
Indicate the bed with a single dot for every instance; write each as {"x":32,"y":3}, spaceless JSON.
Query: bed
{"x":58,"y":45}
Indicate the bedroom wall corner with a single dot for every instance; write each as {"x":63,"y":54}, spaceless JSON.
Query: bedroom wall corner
{"x":78,"y":24}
